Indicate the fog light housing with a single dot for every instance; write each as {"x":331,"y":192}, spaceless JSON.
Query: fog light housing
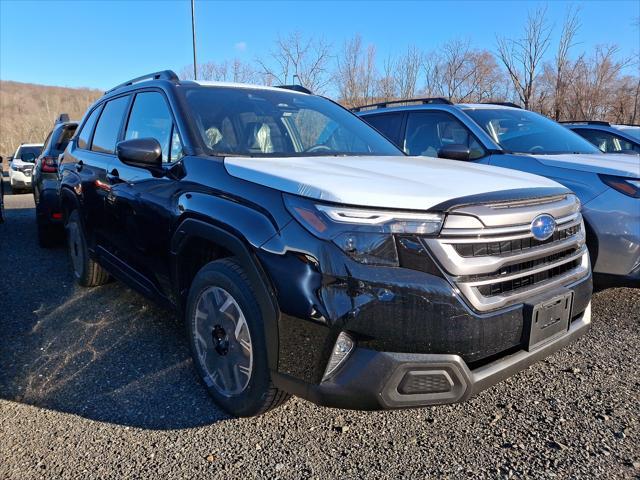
{"x":341,"y":350}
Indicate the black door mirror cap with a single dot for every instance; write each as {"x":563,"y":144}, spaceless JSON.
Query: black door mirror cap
{"x":140,"y":152}
{"x":455,"y":152}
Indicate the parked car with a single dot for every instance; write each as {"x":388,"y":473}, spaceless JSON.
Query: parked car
{"x":21,"y":166}
{"x":309,"y":256}
{"x":507,"y":136}
{"x":46,"y":183}
{"x":609,"y":138}
{"x":1,"y":190}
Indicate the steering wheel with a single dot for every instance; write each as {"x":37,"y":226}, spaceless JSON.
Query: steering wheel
{"x":536,"y":147}
{"x":317,"y":148}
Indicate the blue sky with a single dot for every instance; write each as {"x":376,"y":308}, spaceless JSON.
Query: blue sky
{"x":101,"y":43}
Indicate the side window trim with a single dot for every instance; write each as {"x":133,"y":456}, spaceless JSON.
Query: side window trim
{"x":93,"y":128}
{"x":487,"y":152}
{"x":168,"y":105}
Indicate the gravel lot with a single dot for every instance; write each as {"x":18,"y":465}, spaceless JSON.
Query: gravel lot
{"x":99,"y":384}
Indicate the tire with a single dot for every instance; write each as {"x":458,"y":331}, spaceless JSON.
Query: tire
{"x":86,"y":271}
{"x":227,"y":340}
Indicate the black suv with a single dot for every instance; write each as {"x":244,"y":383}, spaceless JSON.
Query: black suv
{"x":309,"y":256}
{"x":45,"y":181}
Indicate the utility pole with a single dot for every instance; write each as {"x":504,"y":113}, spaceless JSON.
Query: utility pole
{"x":193,"y":36}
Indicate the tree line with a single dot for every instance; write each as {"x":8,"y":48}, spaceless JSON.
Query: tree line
{"x":557,"y":80}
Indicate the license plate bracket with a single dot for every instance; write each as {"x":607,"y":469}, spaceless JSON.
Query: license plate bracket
{"x":547,"y":319}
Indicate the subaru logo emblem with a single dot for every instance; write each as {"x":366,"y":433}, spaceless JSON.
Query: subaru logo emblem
{"x":543,"y":227}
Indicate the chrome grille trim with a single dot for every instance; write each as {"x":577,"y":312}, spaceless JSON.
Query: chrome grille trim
{"x":487,"y":233}
{"x":523,"y":280}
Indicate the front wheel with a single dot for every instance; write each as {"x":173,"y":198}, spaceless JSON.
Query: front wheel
{"x":227,"y":340}
{"x":86,"y":270}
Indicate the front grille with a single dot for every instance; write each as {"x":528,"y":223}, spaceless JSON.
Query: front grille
{"x":502,"y":264}
{"x":529,"y":280}
{"x":510,"y":246}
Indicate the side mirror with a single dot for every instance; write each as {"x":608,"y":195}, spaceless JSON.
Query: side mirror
{"x":455,"y":152}
{"x":1,"y":159}
{"x":140,"y":152}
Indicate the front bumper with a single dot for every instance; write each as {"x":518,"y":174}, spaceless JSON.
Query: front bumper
{"x":20,"y":179}
{"x":373,"y":380}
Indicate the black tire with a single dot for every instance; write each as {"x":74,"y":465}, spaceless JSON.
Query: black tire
{"x":259,"y":394}
{"x":87,"y":272}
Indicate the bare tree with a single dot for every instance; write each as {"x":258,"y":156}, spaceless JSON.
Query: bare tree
{"x":294,"y":56}
{"x":522,"y":57}
{"x":461,"y":74}
{"x":562,"y":63}
{"x":386,"y":88}
{"x":596,"y":83}
{"x":406,"y":72}
{"x":356,"y":75}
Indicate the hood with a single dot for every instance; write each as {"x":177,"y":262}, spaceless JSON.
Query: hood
{"x":622,"y":165}
{"x":415,"y":183}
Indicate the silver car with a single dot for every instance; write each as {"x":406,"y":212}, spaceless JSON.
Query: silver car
{"x":608,"y":185}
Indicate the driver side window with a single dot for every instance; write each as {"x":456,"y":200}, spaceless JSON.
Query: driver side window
{"x":427,"y":132}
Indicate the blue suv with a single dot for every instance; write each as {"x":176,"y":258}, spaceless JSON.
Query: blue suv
{"x":507,"y":136}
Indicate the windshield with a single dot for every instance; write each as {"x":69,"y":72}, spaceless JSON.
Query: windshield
{"x":28,"y":154}
{"x":521,"y":131}
{"x":269,"y":123}
{"x":630,"y":130}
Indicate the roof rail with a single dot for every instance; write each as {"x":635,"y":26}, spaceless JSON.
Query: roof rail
{"x":296,"y":88}
{"x":587,"y":122}
{"x":162,"y":75}
{"x":504,"y":104}
{"x":420,"y":101}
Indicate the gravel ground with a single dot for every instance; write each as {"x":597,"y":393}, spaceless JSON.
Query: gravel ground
{"x":99,"y":384}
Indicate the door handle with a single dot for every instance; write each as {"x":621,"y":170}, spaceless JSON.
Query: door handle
{"x":114,"y":176}
{"x":79,"y":165}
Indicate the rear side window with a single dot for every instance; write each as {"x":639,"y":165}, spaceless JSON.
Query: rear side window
{"x":85,"y":133}
{"x":108,"y":127}
{"x":64,"y":136}
{"x":607,"y":142}
{"x":150,"y":118}
{"x":389,"y":124}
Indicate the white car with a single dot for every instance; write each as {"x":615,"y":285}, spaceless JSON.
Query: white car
{"x":21,"y":166}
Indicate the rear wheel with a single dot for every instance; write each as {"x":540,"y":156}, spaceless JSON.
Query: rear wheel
{"x":227,"y":340}
{"x":88,"y":273}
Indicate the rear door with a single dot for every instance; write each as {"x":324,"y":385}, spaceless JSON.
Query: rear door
{"x":141,"y":203}
{"x":89,"y":160}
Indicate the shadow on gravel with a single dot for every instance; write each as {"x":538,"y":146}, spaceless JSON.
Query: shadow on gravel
{"x":105,"y":353}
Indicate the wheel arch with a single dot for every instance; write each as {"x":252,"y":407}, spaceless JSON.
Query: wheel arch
{"x":223,"y":244}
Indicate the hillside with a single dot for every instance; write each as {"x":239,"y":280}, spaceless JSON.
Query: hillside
{"x":27,"y":111}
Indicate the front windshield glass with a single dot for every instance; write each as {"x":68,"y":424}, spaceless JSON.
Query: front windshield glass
{"x":28,"y":154}
{"x":521,"y":131}
{"x":270,"y":123}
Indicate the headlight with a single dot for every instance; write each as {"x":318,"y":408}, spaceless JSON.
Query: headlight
{"x":365,"y":234}
{"x":626,"y":186}
{"x":14,"y":167}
